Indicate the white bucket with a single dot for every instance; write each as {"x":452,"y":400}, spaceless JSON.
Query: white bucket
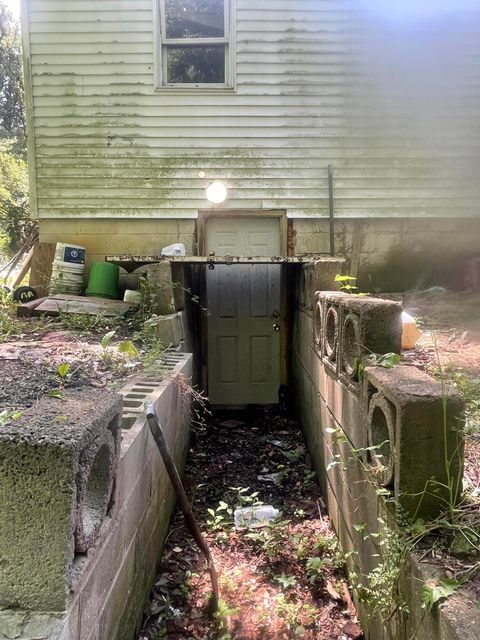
{"x":133,"y":297}
{"x":66,"y":279}
{"x":69,"y":253}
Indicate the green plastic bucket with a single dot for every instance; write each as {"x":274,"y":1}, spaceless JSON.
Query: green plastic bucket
{"x":103,"y":280}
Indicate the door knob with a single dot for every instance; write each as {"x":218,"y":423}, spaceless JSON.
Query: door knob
{"x":276,"y":326}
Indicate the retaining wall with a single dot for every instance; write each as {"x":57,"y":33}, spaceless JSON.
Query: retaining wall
{"x":85,"y":505}
{"x":378,"y":438}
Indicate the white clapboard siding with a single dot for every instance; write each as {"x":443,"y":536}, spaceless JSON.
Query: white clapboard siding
{"x":394,"y":108}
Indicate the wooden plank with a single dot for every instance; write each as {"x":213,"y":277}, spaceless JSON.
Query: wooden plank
{"x":25,"y":268}
{"x":53,"y":307}
{"x":100,"y":302}
{"x":41,"y":269}
{"x":26,"y":309}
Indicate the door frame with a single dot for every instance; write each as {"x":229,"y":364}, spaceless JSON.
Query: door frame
{"x":205,"y":214}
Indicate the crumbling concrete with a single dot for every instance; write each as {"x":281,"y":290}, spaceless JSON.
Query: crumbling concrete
{"x":425,"y":426}
{"x":101,"y":595}
{"x":50,"y":491}
{"x":384,"y":437}
{"x":168,"y":329}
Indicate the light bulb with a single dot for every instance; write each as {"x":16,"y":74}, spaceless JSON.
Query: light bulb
{"x":216,"y":193}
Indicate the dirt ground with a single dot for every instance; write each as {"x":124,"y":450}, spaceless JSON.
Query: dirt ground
{"x":451,"y":343}
{"x":282,"y":581}
{"x":454,"y":319}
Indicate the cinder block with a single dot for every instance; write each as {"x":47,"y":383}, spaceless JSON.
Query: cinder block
{"x":416,"y":425}
{"x":57,"y":464}
{"x":327,"y":323}
{"x":349,"y":327}
{"x":159,"y":286}
{"x":167,"y":329}
{"x":58,"y":226}
{"x":95,"y":226}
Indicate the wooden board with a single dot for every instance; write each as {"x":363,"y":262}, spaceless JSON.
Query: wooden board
{"x":26,"y":309}
{"x":54,"y":305}
{"x":41,"y":268}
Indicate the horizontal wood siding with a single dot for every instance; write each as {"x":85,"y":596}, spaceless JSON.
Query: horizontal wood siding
{"x":394,"y":108}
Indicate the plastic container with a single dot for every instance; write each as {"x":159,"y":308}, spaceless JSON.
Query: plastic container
{"x":410,"y":332}
{"x":103,"y":280}
{"x":66,"y":278}
{"x":70,"y":253}
{"x":254,"y":517}
{"x":176,"y":249}
{"x":133,"y":297}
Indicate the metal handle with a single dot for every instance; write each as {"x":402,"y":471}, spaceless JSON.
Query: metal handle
{"x":276,"y":326}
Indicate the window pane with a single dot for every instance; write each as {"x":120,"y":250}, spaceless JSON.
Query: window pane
{"x":196,"y":64}
{"x":194,"y":18}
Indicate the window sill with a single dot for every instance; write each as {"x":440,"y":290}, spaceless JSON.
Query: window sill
{"x":195,"y":89}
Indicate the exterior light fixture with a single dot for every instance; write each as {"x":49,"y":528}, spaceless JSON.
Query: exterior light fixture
{"x":216,"y":193}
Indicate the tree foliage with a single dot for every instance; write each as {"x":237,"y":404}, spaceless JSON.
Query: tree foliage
{"x":12,"y":118}
{"x":15,"y":222}
{"x":14,"y":211}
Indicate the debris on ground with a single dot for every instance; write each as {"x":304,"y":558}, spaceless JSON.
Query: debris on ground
{"x":283,"y":580}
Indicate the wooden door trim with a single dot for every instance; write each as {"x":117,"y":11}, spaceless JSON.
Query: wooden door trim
{"x":205,"y":214}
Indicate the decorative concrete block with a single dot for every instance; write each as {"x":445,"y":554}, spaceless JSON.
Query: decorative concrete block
{"x":327,"y":323}
{"x":349,"y":327}
{"x":415,"y":426}
{"x":57,"y":464}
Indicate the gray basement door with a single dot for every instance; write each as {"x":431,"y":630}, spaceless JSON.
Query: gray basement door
{"x":243,"y":304}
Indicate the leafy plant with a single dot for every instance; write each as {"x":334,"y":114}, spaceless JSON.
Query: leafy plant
{"x":7,"y":415}
{"x":56,"y":393}
{"x":222,"y":615}
{"x":286,"y":581}
{"x":107,"y":339}
{"x":8,"y":325}
{"x":347,"y":284}
{"x":220,"y":517}
{"x":63,"y":371}
{"x":435,"y":593}
{"x":295,"y":615}
{"x":116,"y":357}
{"x":82,"y":322}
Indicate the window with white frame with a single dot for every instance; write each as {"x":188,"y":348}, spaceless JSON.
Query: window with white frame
{"x":195,"y":43}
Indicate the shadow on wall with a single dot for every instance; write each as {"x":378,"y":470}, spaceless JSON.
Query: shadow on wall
{"x":404,"y":269}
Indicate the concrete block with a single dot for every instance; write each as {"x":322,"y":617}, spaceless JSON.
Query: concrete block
{"x":324,"y":272}
{"x":159,"y":287}
{"x":57,"y":463}
{"x":416,"y":424}
{"x":347,"y":328}
{"x":55,"y":225}
{"x":168,"y":329}
{"x":98,"y":227}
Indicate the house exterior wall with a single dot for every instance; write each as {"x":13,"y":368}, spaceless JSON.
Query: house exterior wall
{"x":386,"y":254}
{"x":393,"y":107}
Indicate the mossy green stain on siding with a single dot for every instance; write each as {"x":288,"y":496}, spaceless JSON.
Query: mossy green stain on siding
{"x":307,"y":96}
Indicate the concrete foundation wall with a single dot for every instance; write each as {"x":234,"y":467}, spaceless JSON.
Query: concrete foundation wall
{"x":391,"y":254}
{"x":395,"y":254}
{"x":106,"y":237}
{"x":368,"y":494}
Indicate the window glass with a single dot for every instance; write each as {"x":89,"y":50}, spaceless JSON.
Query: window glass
{"x":205,"y":64}
{"x":194,"y":18}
